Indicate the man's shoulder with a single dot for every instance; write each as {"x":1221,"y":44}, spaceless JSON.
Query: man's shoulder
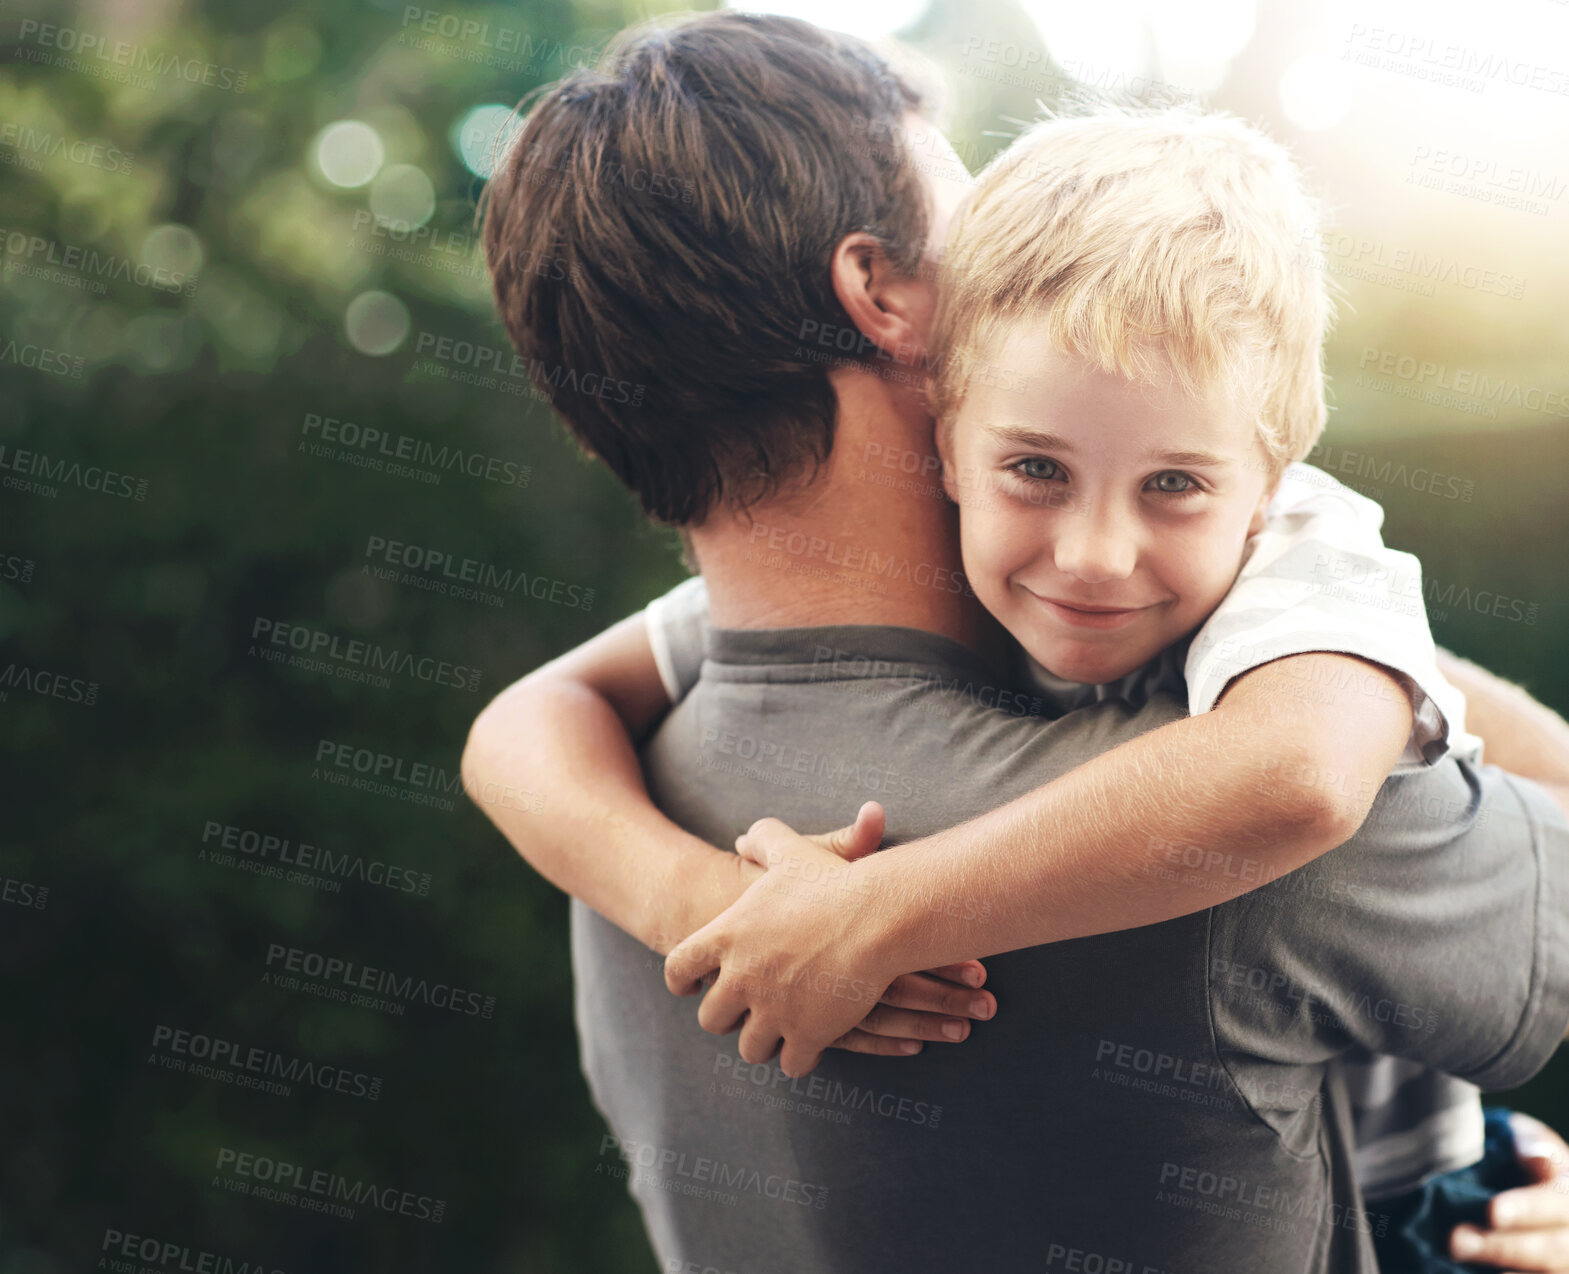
{"x":1022,"y":723}
{"x":1454,"y":799}
{"x":950,"y":737}
{"x":1435,"y":933}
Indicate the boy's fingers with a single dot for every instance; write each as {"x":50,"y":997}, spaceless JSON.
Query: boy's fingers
{"x":721,"y":1011}
{"x":1541,"y":1151}
{"x":796,"y":1060}
{"x":685,"y":966}
{"x":753,"y":844}
{"x":859,"y":1041}
{"x":1511,"y":1249}
{"x":912,"y":1025}
{"x":1529,"y":1208}
{"x":1541,"y":1168}
{"x":969,"y":972}
{"x":930,"y":995}
{"x":860,"y":838}
{"x":769,"y":836}
{"x":758,"y":1041}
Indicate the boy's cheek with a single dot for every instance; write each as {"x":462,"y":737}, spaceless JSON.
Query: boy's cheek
{"x":994,"y":546}
{"x":988,"y":581}
{"x":988,"y":574}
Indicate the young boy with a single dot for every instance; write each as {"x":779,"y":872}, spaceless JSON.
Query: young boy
{"x":1138,"y":279}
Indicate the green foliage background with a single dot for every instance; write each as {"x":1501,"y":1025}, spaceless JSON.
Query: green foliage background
{"x":154,"y":600}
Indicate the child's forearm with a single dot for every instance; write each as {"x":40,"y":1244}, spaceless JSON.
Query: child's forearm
{"x":598,"y":836}
{"x":1183,"y":818}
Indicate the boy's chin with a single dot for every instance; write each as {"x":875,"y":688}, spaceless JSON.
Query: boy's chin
{"x":1092,"y":667}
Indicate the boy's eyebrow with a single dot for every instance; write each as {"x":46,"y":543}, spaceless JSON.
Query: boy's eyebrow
{"x":1052,"y":442}
{"x":1196,"y":458}
{"x":1029,"y":437}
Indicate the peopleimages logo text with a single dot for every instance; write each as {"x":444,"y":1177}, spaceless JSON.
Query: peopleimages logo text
{"x":293,"y":1177}
{"x":317,"y":643}
{"x":365,"y":977}
{"x":329,"y":431}
{"x":72,"y":473}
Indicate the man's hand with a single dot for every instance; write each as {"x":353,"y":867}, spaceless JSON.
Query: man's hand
{"x":796,"y":963}
{"x":1530,"y":1224}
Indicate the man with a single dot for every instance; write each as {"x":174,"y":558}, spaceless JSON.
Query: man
{"x":1039,"y":1150}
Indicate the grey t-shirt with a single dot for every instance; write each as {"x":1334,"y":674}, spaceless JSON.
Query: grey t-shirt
{"x":1158,"y":1100}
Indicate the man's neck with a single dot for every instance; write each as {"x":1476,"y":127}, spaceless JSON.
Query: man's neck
{"x":872,"y":540}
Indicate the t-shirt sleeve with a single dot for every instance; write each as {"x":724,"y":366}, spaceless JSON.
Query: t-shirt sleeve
{"x":1439,"y":933}
{"x":1318,"y":577}
{"x":675,"y":630}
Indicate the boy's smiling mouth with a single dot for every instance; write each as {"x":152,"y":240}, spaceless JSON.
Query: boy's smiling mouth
{"x":1086,"y":615}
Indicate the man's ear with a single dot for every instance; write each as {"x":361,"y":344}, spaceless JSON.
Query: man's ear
{"x":892,"y":310}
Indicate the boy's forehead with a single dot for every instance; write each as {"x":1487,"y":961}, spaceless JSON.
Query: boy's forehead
{"x":1022,"y":381}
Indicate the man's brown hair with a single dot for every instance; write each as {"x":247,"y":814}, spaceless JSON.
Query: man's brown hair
{"x":661,"y":229}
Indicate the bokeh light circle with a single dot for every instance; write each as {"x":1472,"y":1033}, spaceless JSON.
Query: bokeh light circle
{"x":348,"y":153}
{"x":403,"y":196}
{"x":376,"y":323}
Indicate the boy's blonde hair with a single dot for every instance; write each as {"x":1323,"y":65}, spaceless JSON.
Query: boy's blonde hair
{"x":1147,"y":240}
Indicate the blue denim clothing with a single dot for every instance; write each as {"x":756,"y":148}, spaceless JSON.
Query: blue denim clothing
{"x":1415,"y":1237}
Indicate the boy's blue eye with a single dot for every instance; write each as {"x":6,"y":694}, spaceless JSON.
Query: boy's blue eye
{"x":1173,"y":483}
{"x":1039,"y":468}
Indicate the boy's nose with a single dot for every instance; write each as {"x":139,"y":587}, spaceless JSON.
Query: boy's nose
{"x":1098,"y":550}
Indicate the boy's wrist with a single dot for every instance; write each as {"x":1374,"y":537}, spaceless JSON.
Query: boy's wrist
{"x":896,"y":934}
{"x":678,"y":908}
